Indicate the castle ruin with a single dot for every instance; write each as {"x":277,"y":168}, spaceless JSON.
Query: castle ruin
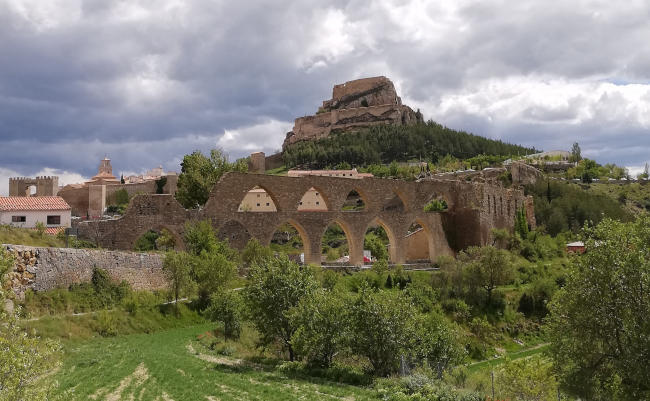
{"x":355,"y":104}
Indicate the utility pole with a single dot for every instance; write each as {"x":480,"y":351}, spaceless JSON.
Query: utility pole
{"x":492,"y":374}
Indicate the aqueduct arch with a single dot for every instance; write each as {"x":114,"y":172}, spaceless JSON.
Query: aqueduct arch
{"x":469,"y":219}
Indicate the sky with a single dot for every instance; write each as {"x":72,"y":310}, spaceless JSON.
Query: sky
{"x":146,"y":82}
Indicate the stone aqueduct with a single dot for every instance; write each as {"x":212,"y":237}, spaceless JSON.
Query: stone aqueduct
{"x":474,"y":209}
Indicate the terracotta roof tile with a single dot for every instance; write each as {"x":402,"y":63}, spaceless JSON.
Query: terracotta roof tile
{"x":24,"y":203}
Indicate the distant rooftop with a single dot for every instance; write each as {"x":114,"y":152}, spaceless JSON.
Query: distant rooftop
{"x":25,"y":203}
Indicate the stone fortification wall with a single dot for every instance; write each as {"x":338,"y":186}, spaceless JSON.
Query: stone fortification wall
{"x":43,"y":269}
{"x":91,"y":201}
{"x":45,"y":186}
{"x":148,"y":187}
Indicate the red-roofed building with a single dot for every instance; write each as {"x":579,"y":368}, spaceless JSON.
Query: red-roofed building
{"x":26,"y":212}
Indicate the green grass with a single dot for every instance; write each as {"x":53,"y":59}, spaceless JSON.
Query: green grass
{"x":113,"y":322}
{"x":162,"y":366}
{"x":278,"y":171}
{"x":488,"y":364}
{"x":23,"y":236}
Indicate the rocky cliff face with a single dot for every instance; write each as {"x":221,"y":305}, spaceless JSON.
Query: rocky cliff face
{"x":355,"y":104}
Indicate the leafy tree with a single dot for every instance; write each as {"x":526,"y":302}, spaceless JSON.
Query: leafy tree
{"x":521,"y":223}
{"x":322,"y":327}
{"x":437,"y":343}
{"x":382,"y":327}
{"x":160,"y":185}
{"x":121,"y":197}
{"x":107,"y":292}
{"x":146,"y":242}
{"x":212,"y":271}
{"x":527,"y":380}
{"x":199,"y":174}
{"x":570,"y":207}
{"x":25,"y":359}
{"x":274,"y":287}
{"x":376,"y":247}
{"x":488,"y":268}
{"x":200,"y":236}
{"x":166,"y":240}
{"x":576,"y":153}
{"x":254,"y":252}
{"x":598,"y":322}
{"x":226,"y":307}
{"x":177,"y":267}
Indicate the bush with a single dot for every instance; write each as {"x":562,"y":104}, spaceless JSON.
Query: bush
{"x":226,"y":307}
{"x":382,"y":328}
{"x":436,"y":205}
{"x":274,"y":287}
{"x":322,"y":326}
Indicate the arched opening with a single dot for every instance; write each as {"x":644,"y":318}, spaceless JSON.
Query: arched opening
{"x":257,"y":200}
{"x":376,"y":244}
{"x":394,"y":204}
{"x":354,"y":202}
{"x":291,"y":239}
{"x":235,"y":234}
{"x":160,"y":239}
{"x":335,"y":247}
{"x":418,"y":244}
{"x":312,"y":201}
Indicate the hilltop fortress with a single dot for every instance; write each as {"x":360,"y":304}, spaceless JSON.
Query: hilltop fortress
{"x":355,"y":104}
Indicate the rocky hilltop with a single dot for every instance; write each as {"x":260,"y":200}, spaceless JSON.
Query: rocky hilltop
{"x":354,"y":104}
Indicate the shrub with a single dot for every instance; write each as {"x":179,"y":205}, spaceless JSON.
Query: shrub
{"x":275,"y":286}
{"x":382,"y":327}
{"x":226,"y":307}
{"x":436,"y":205}
{"x":322,"y":327}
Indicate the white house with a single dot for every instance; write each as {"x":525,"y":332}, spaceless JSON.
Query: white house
{"x":26,"y":212}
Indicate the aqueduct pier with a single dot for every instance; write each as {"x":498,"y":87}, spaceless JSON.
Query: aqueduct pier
{"x":474,"y":209}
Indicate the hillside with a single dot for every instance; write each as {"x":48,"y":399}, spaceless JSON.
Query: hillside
{"x":386,"y":143}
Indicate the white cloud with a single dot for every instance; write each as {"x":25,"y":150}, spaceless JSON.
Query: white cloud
{"x":266,"y":136}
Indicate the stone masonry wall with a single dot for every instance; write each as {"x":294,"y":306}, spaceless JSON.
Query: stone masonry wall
{"x":43,"y":269}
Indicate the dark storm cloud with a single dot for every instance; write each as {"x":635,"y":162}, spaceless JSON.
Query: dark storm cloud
{"x":146,"y":82}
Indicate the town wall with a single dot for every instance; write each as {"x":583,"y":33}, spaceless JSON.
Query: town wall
{"x":43,"y":269}
{"x":45,"y":186}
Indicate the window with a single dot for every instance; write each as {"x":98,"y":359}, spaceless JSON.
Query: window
{"x":53,"y":220}
{"x":317,"y":202}
{"x":316,"y":193}
{"x":258,"y":204}
{"x":267,"y":203}
{"x":258,"y":195}
{"x":18,"y":219}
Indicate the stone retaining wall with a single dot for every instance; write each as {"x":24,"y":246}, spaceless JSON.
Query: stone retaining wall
{"x":43,"y":269}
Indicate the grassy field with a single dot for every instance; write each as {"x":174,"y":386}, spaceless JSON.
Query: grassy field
{"x":173,"y":365}
{"x":23,"y":236}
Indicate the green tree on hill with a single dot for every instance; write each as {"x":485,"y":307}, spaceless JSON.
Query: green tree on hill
{"x":387,"y":143}
{"x":576,"y":153}
{"x":598,"y":322}
{"x":274,"y":287}
{"x":199,"y":174}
